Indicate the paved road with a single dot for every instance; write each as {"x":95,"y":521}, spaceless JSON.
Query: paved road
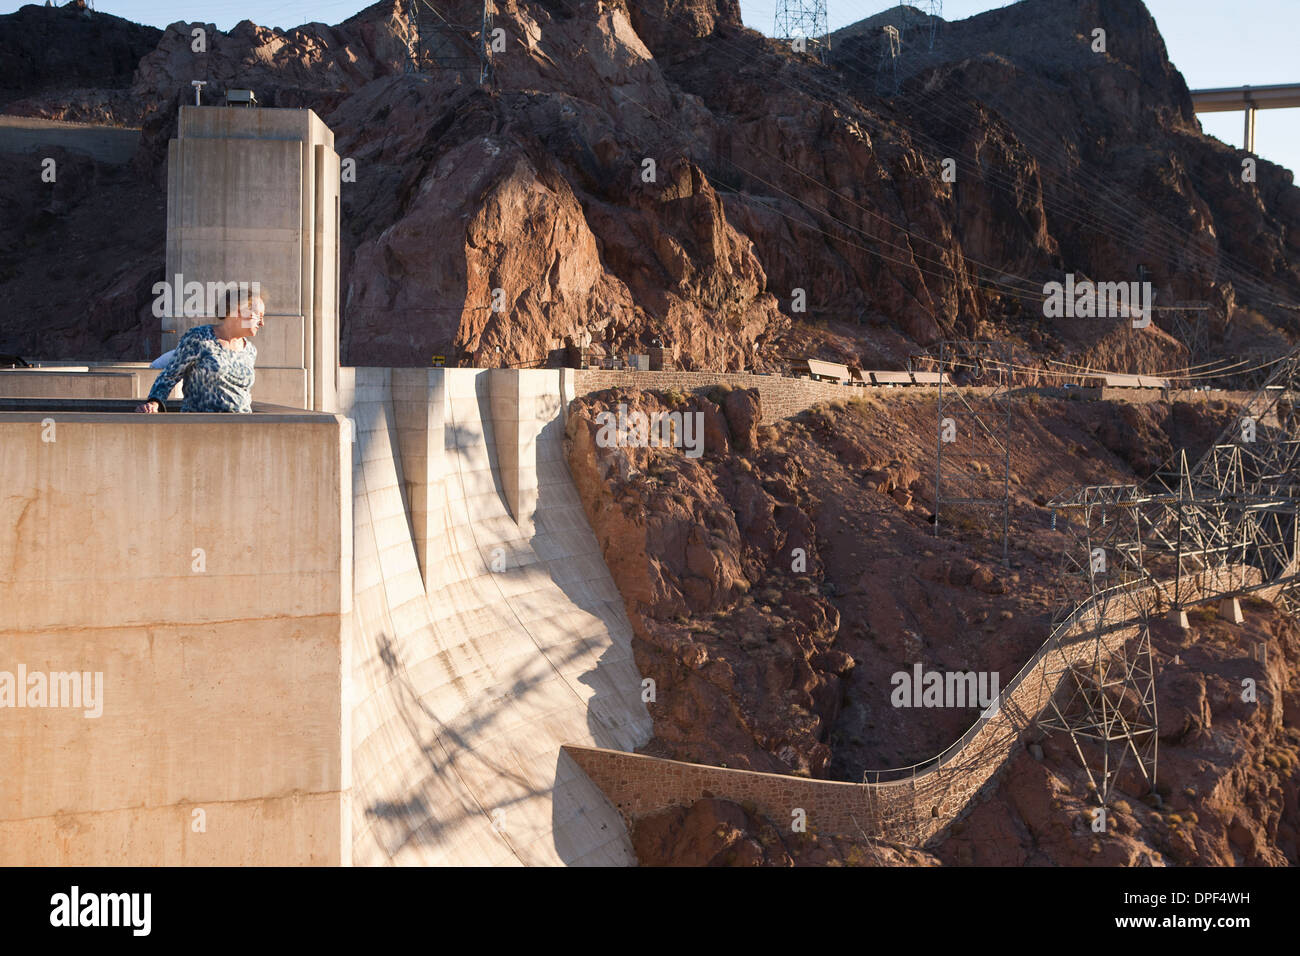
{"x":108,"y":144}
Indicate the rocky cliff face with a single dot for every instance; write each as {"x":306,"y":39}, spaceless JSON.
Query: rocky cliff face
{"x":763,"y":661}
{"x":1120,"y":178}
{"x":736,"y":639}
{"x":791,"y":208}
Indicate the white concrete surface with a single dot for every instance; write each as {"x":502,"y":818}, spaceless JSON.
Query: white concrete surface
{"x":396,"y":686}
{"x":467,"y":680}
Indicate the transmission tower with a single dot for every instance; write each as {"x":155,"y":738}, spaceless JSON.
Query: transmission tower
{"x":1236,"y":507}
{"x":1191,"y":326}
{"x":1226,"y":526}
{"x":802,"y":24}
{"x":921,"y":18}
{"x":891,"y":47}
{"x":1100,"y":674}
{"x":972,"y":469}
{"x":437,"y":42}
{"x":933,"y":10}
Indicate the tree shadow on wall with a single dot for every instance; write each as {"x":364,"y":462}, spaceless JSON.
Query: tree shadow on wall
{"x":453,"y":764}
{"x":445,"y":796}
{"x":429,"y":815}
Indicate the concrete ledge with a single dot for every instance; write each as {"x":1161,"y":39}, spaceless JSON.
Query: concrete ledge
{"x":119,"y":410}
{"x":54,"y":383}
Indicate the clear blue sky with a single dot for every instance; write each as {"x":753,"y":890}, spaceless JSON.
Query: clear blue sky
{"x":1213,"y":42}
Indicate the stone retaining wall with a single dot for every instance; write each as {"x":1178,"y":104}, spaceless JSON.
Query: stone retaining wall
{"x":785,"y":397}
{"x":781,"y":397}
{"x":912,"y":811}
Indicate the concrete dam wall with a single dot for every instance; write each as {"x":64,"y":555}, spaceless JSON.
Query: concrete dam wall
{"x":192,"y":569}
{"x":323,"y":638}
{"x":384,"y":635}
{"x":486,"y":631}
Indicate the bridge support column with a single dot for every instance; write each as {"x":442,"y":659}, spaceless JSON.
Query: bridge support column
{"x":1230,"y":611}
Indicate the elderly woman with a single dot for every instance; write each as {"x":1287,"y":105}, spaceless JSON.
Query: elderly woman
{"x":216,"y":361}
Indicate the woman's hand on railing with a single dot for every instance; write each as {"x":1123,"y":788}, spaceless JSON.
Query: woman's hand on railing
{"x":150,"y":407}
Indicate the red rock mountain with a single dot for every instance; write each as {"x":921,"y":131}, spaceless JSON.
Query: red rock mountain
{"x":772,"y":173}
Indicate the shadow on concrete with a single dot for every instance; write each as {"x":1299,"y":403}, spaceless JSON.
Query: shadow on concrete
{"x":582,"y":794}
{"x":458,"y":755}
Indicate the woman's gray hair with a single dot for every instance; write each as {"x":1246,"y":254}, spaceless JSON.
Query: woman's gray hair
{"x":237,"y":294}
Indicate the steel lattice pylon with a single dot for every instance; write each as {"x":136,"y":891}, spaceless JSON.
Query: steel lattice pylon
{"x":1101,"y":675}
{"x":972,"y":471}
{"x":925,"y":14}
{"x":913,"y":26}
{"x":436,"y":42}
{"x":1235,"y":508}
{"x":1192,"y":328}
{"x":1194,"y":533}
{"x":891,"y":48}
{"x":802,"y":19}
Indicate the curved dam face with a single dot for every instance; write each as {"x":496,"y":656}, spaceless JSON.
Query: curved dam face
{"x":485,"y":631}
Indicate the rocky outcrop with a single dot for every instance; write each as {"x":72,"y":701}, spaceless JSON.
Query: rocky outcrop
{"x":716,"y":832}
{"x":709,"y":833}
{"x":714,"y":571}
{"x":53,"y":238}
{"x":1121,"y":176}
{"x":647,"y":170}
{"x":623,"y":266}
